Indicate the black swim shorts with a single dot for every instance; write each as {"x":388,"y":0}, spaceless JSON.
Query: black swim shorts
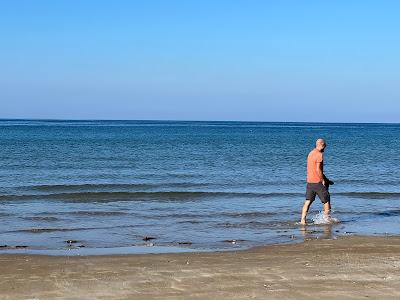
{"x":319,"y":189}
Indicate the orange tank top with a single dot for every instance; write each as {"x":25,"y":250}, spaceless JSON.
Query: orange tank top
{"x":313,"y":158}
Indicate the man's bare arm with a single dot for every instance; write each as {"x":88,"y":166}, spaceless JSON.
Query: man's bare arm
{"x":320,"y":172}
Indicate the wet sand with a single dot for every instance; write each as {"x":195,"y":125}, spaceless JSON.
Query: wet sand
{"x":346,"y":268}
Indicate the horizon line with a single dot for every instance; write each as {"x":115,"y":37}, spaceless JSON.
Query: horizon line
{"x":178,"y":120}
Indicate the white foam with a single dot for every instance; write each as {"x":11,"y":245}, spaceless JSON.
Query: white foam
{"x":321,"y":218}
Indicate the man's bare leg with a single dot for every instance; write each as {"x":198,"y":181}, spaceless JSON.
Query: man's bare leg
{"x":304,"y":211}
{"x":327,"y":210}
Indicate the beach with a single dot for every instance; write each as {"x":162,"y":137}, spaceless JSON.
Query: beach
{"x":100,"y":210}
{"x":199,"y":150}
{"x":350,"y":267}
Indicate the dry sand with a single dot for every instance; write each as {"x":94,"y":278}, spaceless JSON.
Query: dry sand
{"x":347,"y":268}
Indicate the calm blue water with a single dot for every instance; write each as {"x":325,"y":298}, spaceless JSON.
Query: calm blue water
{"x":109,"y":184}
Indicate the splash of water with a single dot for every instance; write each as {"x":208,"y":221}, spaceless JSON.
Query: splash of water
{"x":321,"y":218}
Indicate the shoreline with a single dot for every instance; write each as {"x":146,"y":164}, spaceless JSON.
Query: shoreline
{"x":348,"y":267}
{"x":169,"y":249}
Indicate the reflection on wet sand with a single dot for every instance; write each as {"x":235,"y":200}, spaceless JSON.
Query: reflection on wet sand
{"x":321,"y":232}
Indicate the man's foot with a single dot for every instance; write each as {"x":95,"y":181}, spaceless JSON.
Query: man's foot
{"x":303,"y":222}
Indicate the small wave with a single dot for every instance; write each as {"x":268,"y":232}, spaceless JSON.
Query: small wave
{"x":5,"y":214}
{"x":182,"y":215}
{"x":252,"y":224}
{"x":85,"y":187}
{"x":42,"y":218}
{"x":131,"y":187}
{"x":97,"y":213}
{"x":251,"y":214}
{"x":159,"y":195}
{"x":49,"y":230}
{"x":248,"y":214}
{"x":190,"y":222}
{"x":177,"y":195}
{"x":97,"y":187}
{"x":387,"y":213}
{"x":370,"y":195}
{"x":368,"y":181}
{"x":258,"y":225}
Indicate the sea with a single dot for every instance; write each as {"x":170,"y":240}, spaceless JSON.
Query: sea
{"x":111,"y":187}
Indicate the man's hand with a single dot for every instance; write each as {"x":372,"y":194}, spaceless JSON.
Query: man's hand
{"x":327,"y":181}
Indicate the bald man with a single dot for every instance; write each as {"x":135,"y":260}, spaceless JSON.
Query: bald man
{"x":317,"y":182}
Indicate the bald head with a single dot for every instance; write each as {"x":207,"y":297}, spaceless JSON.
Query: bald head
{"x":320,"y":144}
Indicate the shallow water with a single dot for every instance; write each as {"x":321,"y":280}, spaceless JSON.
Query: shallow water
{"x":191,"y":185}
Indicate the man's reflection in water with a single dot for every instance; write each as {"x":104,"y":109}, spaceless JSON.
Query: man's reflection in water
{"x":317,"y":232}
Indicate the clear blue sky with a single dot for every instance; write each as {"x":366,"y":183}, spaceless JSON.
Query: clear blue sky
{"x":201,"y":60}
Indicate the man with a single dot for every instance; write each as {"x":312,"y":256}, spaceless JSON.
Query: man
{"x":317,"y":182}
